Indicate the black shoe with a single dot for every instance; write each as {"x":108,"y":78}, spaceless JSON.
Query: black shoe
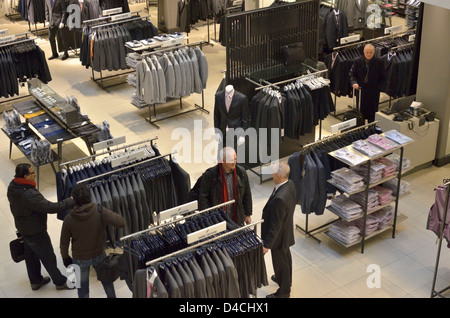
{"x":45,"y":281}
{"x":273,"y":278}
{"x":65,"y":56}
{"x":64,"y":286}
{"x":275,"y":295}
{"x":53,"y":57}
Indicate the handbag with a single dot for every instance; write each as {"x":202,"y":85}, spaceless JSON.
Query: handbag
{"x":17,"y":249}
{"x":293,"y":53}
{"x":108,"y":269}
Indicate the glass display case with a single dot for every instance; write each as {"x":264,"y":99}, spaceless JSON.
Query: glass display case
{"x":53,"y":102}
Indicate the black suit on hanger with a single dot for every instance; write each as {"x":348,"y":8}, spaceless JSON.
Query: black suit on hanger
{"x":277,"y":233}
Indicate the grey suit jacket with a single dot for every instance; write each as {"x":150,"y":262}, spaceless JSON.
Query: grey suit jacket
{"x":182,"y":64}
{"x":177,"y":73}
{"x":232,"y":290}
{"x":169,"y":75}
{"x":200,"y":278}
{"x":198,"y":86}
{"x":137,"y":194}
{"x":203,"y":65}
{"x":140,"y":286}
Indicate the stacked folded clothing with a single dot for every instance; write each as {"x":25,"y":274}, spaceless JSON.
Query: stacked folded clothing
{"x":360,"y":198}
{"x":366,"y":148}
{"x":347,"y":179}
{"x":384,"y":195}
{"x":395,"y":158}
{"x":384,"y":217}
{"x":381,"y":142}
{"x":390,"y":166}
{"x":371,"y":224}
{"x":346,"y":207}
{"x":397,"y":137}
{"x":392,"y":185}
{"x":41,"y":152}
{"x":345,"y":232}
{"x":376,"y":171}
{"x":349,"y":157}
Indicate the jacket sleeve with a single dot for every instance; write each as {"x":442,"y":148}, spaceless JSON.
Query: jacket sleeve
{"x":42,"y":205}
{"x":203,"y":193}
{"x":64,"y":240}
{"x":112,"y":218}
{"x":353,"y":75}
{"x":277,"y":214}
{"x":247,"y":201}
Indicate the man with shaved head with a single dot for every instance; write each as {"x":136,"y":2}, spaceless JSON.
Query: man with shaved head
{"x":368,"y":74}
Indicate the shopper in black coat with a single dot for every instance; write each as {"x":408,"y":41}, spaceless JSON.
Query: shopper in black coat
{"x":368,"y":74}
{"x":277,"y":231}
{"x":215,"y":190}
{"x":29,"y":209}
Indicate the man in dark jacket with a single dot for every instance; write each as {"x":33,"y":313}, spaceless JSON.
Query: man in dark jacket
{"x":368,"y":74}
{"x":277,"y":230}
{"x":30,"y":208}
{"x":86,"y":228}
{"x":224,"y":182}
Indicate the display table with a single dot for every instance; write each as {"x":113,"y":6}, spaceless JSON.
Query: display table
{"x":424,"y":148}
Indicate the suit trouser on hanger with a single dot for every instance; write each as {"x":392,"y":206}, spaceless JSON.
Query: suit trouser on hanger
{"x":282,"y":266}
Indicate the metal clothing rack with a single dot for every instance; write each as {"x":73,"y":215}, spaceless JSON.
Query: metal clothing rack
{"x":127,"y":167}
{"x":99,"y":81}
{"x":196,"y":106}
{"x":325,"y":140}
{"x":243,"y":228}
{"x":108,"y":152}
{"x":177,"y":220}
{"x":439,"y":293}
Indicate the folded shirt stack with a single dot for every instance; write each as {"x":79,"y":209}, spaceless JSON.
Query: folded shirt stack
{"x":397,"y":137}
{"x":381,"y":142}
{"x":395,"y":158}
{"x":346,"y":207}
{"x":345,"y":232}
{"x":366,"y":148}
{"x":372,"y":199}
{"x":376,"y":171}
{"x":371,"y":224}
{"x":392,"y":185}
{"x":384,"y":217}
{"x":384,"y":195}
{"x":390,"y":168}
{"x":349,"y":157}
{"x":347,"y":179}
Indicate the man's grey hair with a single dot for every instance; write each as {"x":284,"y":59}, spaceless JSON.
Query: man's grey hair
{"x":227,"y":154}
{"x":282,"y":169}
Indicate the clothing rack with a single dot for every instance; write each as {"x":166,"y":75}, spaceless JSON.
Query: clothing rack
{"x":435,"y":293}
{"x":177,"y":220}
{"x":315,"y":143}
{"x":127,"y":167}
{"x":99,"y":81}
{"x":196,"y":106}
{"x":243,"y":228}
{"x":100,"y":19}
{"x":108,"y":152}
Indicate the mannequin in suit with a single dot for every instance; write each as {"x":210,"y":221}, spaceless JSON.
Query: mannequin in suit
{"x":55,"y":11}
{"x":231,"y":111}
{"x":277,"y":230}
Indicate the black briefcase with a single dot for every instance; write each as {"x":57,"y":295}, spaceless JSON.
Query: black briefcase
{"x":17,"y":249}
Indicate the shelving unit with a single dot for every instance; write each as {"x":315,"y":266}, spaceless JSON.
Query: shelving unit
{"x":368,"y":160}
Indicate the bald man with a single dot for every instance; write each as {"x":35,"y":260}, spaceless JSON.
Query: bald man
{"x":368,"y":74}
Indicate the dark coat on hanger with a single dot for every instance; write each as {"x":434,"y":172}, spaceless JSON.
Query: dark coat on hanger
{"x":335,"y":31}
{"x":237,"y":116}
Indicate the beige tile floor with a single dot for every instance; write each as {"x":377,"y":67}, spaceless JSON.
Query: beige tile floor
{"x":325,"y":270}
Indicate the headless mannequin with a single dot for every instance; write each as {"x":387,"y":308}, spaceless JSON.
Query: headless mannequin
{"x":229,"y":89}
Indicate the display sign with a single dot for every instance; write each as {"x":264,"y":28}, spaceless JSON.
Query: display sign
{"x":393,"y":29}
{"x":4,"y":32}
{"x":173,"y":212}
{"x":350,"y":39}
{"x":109,"y":143}
{"x":344,"y":125}
{"x":112,"y":11}
{"x":121,"y":16}
{"x":7,"y":39}
{"x":206,"y":232}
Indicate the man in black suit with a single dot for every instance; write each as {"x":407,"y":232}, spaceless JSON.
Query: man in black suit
{"x":56,"y":15}
{"x":277,"y":230}
{"x":368,"y":73}
{"x":231,"y":111}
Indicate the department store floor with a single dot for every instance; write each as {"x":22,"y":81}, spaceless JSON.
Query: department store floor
{"x":320,"y":270}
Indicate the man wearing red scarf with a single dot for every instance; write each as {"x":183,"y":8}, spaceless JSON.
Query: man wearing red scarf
{"x":30,"y":208}
{"x":224,"y":182}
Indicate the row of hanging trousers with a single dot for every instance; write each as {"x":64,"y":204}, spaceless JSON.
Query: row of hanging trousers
{"x":19,"y":62}
{"x":232,"y":267}
{"x":312,"y":167}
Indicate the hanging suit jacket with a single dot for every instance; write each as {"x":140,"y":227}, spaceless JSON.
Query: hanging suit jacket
{"x":237,"y":116}
{"x":334,"y":30}
{"x":277,"y":230}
